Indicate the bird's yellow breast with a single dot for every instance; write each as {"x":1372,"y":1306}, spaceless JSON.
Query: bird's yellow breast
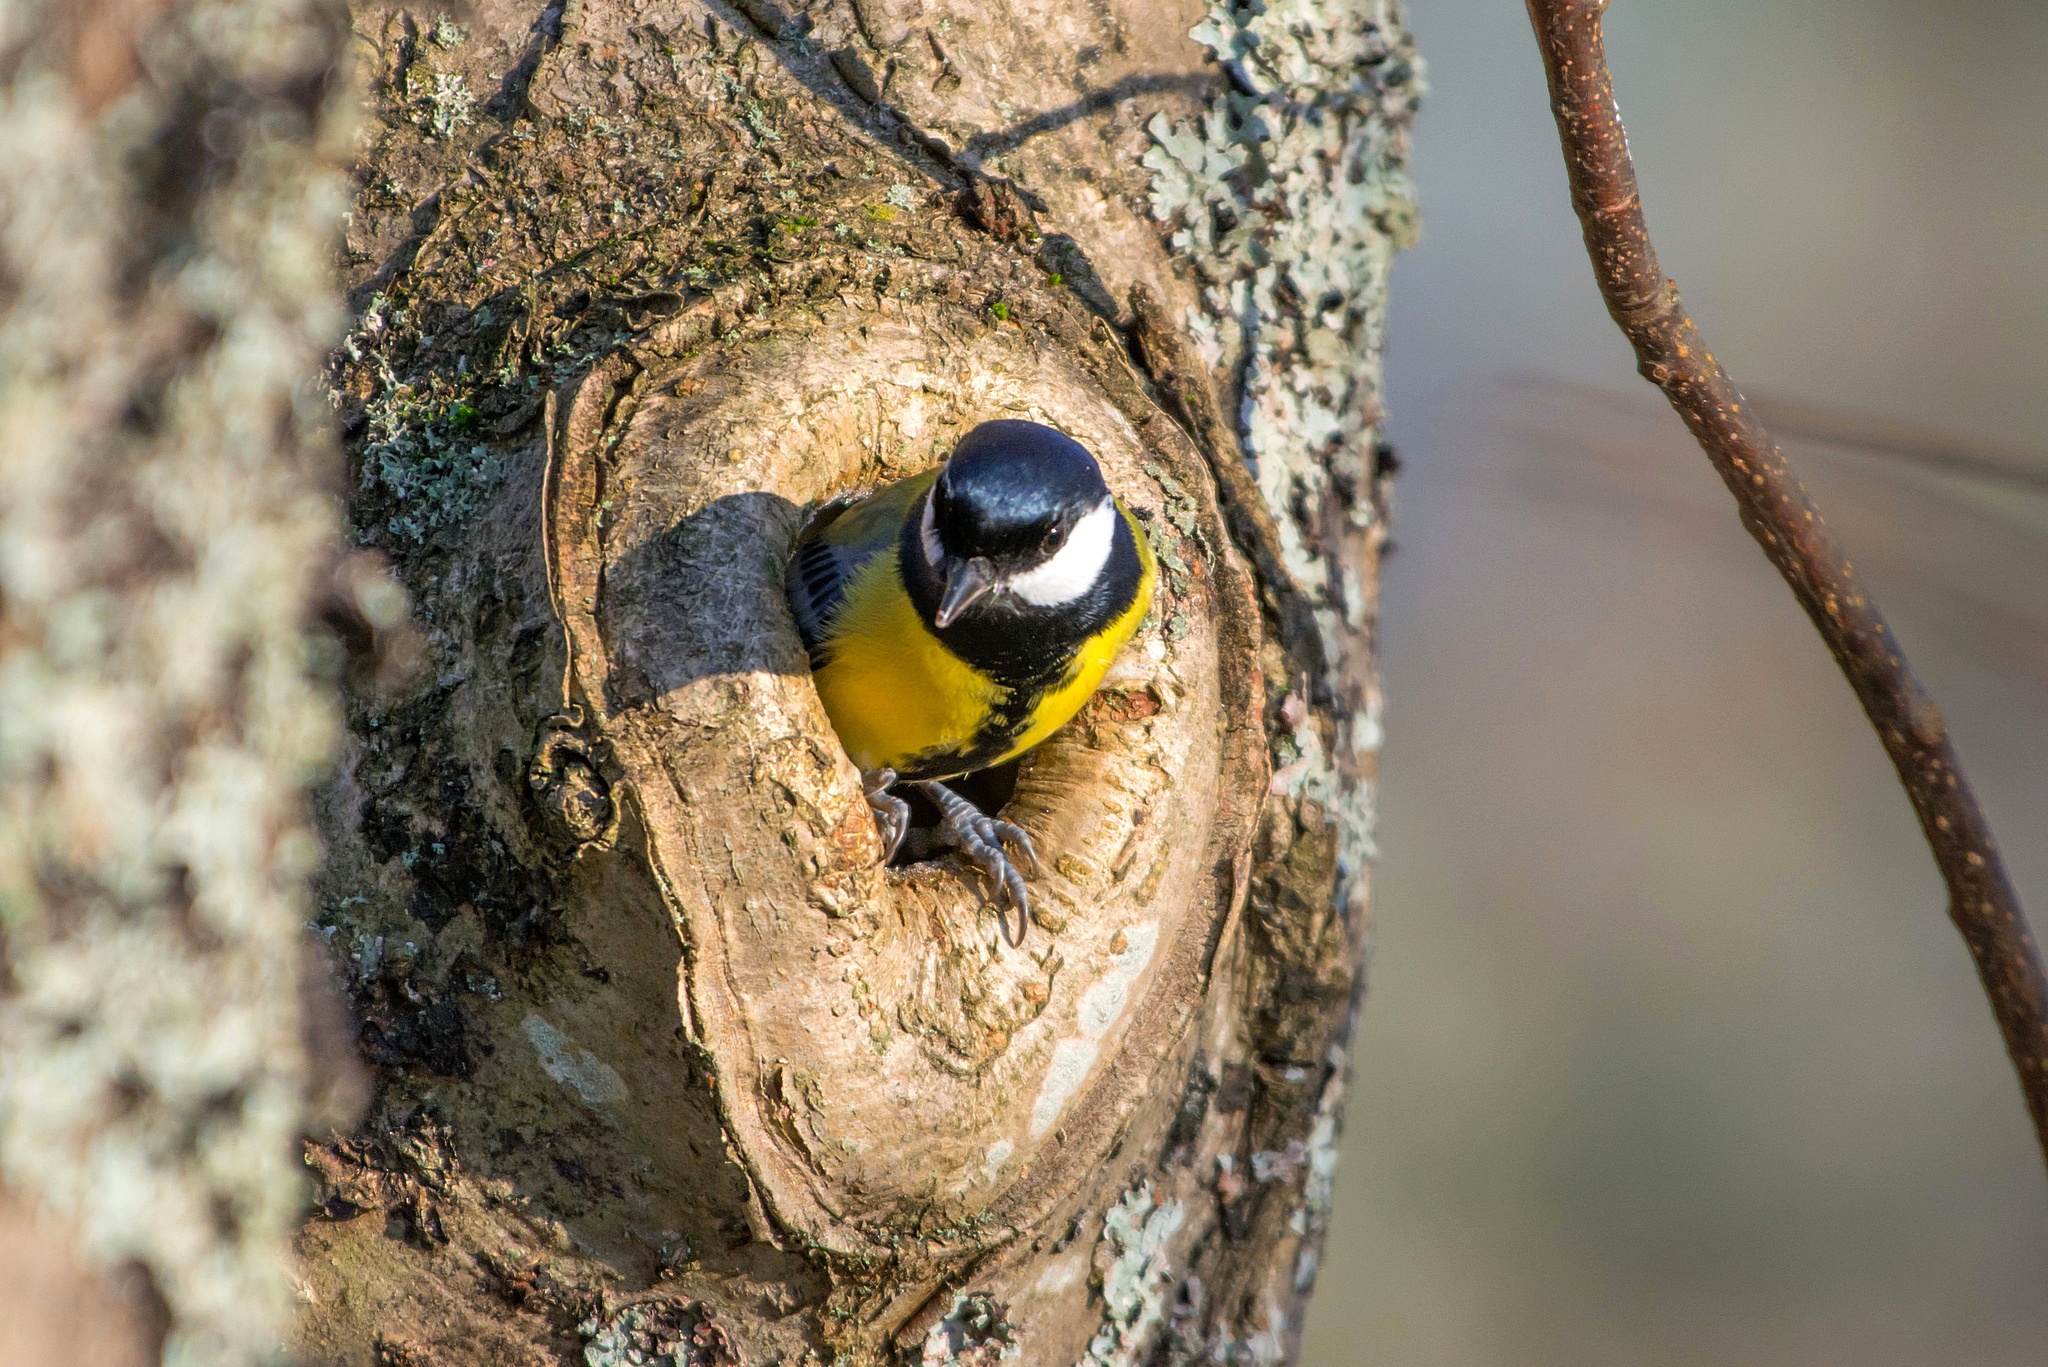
{"x":892,"y":689}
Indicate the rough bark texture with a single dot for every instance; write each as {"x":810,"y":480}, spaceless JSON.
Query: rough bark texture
{"x":669,"y":1069}
{"x":166,"y":500}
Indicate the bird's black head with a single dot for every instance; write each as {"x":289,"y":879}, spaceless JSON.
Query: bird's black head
{"x":1019,"y":516}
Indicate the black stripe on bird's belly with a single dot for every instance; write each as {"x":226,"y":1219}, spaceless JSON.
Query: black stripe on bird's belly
{"x":1024,"y":648}
{"x":986,"y":750}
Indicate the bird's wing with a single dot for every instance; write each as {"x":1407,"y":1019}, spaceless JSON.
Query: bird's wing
{"x":833,"y":547}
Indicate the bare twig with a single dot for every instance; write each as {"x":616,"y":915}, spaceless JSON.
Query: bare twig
{"x":1776,"y":510}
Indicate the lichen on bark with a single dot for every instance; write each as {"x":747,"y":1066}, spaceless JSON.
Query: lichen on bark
{"x":168,"y":202}
{"x":1289,"y":198}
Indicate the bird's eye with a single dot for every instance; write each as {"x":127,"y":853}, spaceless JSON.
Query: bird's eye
{"x":1054,"y":535}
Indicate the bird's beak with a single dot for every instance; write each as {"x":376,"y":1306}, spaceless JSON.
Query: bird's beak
{"x":966,"y":580}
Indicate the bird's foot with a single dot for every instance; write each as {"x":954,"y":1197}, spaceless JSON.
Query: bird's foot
{"x":981,"y":838}
{"x":892,"y":813}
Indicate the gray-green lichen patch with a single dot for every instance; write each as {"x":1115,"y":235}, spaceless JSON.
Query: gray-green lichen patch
{"x":1290,"y":197}
{"x":1304,"y":769}
{"x":424,"y":463}
{"x":975,"y":1332}
{"x":658,"y":1334}
{"x":1136,"y":1279}
{"x":449,"y":105}
{"x":1319,"y":1185}
{"x":583,"y":1072}
{"x":421,"y":459}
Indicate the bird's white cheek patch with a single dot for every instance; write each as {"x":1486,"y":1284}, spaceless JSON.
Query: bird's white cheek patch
{"x":1074,"y":568}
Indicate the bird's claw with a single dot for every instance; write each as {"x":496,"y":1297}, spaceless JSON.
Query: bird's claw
{"x":981,"y":838}
{"x":892,"y":813}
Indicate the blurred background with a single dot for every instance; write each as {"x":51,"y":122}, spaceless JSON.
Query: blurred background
{"x":1671,"y":1055}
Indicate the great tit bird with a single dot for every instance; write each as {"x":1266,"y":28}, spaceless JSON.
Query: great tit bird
{"x":957,"y":618}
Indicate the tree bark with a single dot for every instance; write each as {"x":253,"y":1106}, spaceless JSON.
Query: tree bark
{"x":669,"y":1068}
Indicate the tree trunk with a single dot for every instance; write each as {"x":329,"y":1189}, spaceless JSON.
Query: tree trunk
{"x":167,"y":212}
{"x":669,"y":1068}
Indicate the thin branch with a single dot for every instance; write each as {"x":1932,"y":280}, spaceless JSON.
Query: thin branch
{"x":1776,"y":510}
